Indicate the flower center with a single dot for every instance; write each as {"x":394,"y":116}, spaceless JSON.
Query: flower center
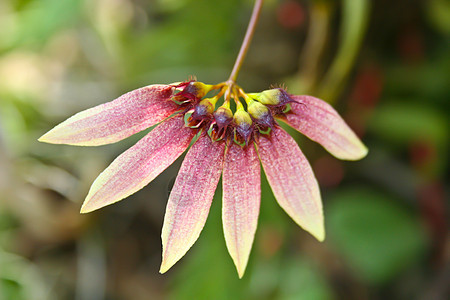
{"x":234,"y":120}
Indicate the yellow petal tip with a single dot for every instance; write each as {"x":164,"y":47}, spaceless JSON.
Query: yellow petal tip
{"x":49,"y":139}
{"x":240,"y":267}
{"x":319,"y":234}
{"x":363,"y":153}
{"x":320,"y":238}
{"x":85,"y":208}
{"x":43,"y":139}
{"x":164,"y":267}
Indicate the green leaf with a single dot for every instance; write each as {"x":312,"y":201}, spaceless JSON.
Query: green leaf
{"x":39,"y":20}
{"x":377,"y":237}
{"x":355,"y":17}
{"x":20,"y":279}
{"x":10,"y":289}
{"x":196,"y":39}
{"x":439,"y":14}
{"x":302,"y":280}
{"x":403,"y":122}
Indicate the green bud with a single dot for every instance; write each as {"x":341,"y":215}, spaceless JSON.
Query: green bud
{"x":257,"y":110}
{"x":223,"y":116}
{"x":244,"y":127}
{"x":242,"y":118}
{"x":276,"y":96}
{"x":201,"y":88}
{"x":193,"y":89}
{"x":208,"y":104}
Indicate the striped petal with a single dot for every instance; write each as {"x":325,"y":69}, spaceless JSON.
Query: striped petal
{"x":292,"y":181}
{"x":113,"y":121}
{"x":140,"y":164}
{"x":190,"y":199}
{"x":321,"y":123}
{"x":241,"y":199}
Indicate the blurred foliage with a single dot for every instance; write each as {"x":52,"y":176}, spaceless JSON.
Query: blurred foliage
{"x":354,"y":24}
{"x":383,"y":64}
{"x":367,"y":233}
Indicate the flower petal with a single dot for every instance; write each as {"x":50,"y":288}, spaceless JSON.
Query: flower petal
{"x":113,"y":121}
{"x":292,"y":180}
{"x":321,"y":123}
{"x":140,"y":164}
{"x":241,"y":199}
{"x":190,"y":199}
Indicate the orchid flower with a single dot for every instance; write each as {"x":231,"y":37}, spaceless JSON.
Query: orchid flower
{"x":229,"y":141}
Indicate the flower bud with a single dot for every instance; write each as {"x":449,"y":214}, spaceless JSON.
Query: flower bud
{"x":198,"y":89}
{"x":244,"y":126}
{"x":193,"y":90}
{"x":242,"y":118}
{"x":275,"y":97}
{"x":257,"y":110}
{"x":261,"y":114}
{"x":203,"y":109}
{"x":223,"y":116}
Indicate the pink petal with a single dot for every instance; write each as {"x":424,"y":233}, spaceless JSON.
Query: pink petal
{"x":113,"y":121}
{"x":190,"y":199}
{"x":241,"y":199}
{"x":292,"y":180}
{"x":321,"y":123}
{"x":140,"y":164}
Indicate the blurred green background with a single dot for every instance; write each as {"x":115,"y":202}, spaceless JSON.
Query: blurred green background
{"x":384,"y":65}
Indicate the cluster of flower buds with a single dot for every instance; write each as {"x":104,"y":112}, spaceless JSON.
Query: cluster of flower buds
{"x":255,"y":116}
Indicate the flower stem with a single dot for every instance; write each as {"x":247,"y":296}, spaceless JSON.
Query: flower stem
{"x":246,"y":43}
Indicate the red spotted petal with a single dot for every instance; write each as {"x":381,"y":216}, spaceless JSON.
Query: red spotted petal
{"x":292,"y":181}
{"x":321,"y":123}
{"x":113,"y":121}
{"x":241,"y":199}
{"x":140,"y":164}
{"x":190,"y":199}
